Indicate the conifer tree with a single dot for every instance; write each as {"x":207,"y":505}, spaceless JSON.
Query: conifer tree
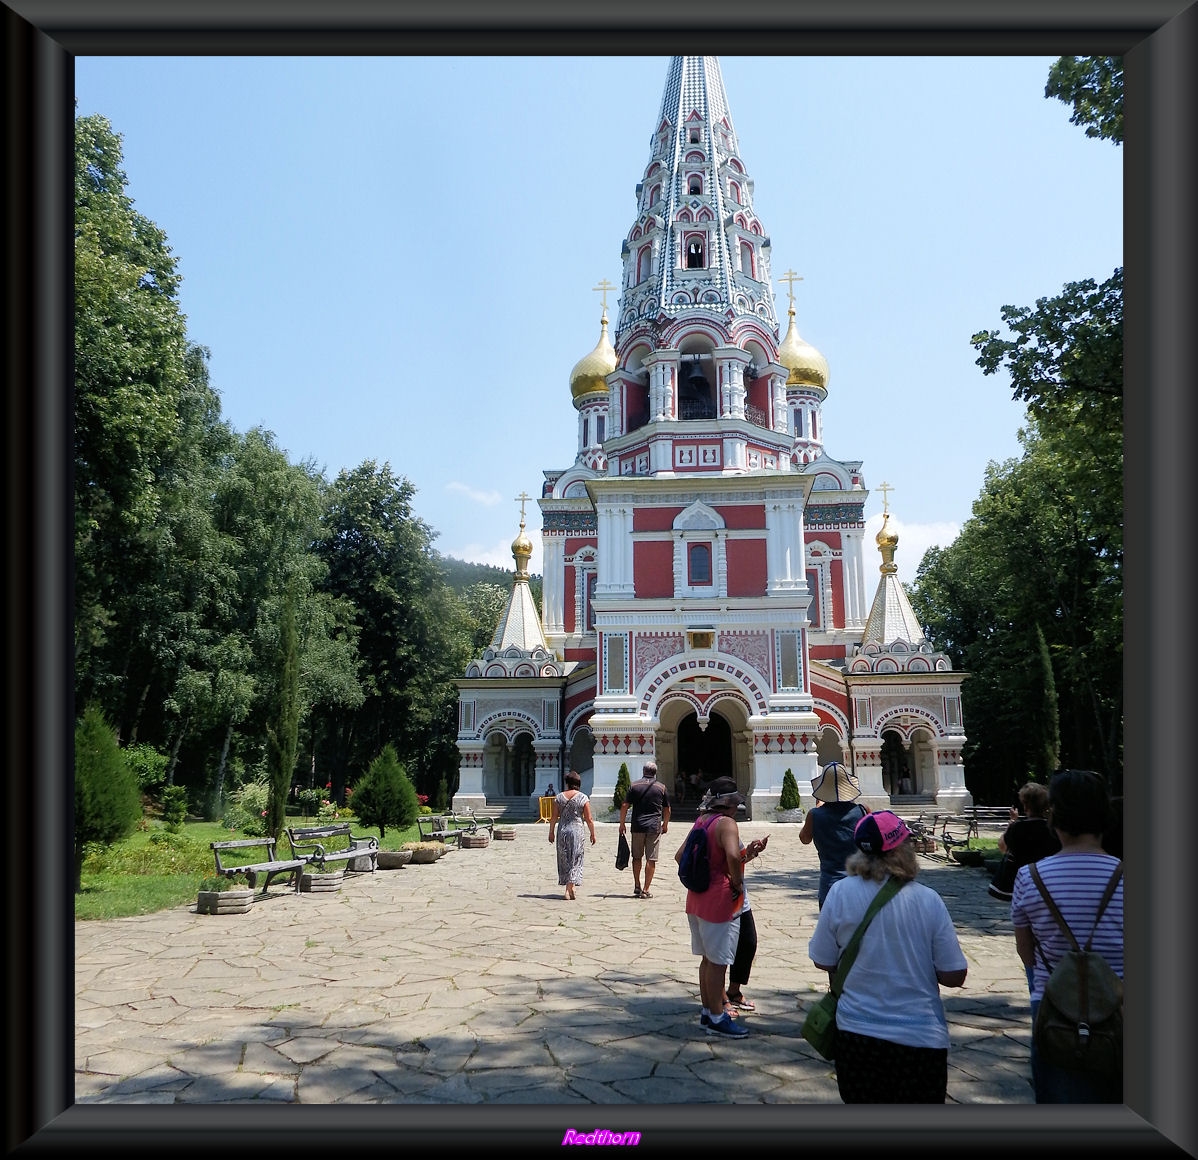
{"x":107,"y":800}
{"x":623,"y":785}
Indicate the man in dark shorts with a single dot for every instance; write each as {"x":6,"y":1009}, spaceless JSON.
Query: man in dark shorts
{"x":650,"y":805}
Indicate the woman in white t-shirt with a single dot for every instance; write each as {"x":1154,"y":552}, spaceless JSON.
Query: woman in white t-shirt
{"x":892,"y":1041}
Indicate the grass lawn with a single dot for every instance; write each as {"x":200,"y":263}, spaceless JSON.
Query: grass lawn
{"x":156,"y":870}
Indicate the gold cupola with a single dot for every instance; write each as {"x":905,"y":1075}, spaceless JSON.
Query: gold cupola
{"x":887,"y":541}
{"x":805,"y":365}
{"x":589,"y":376}
{"x":522,"y":550}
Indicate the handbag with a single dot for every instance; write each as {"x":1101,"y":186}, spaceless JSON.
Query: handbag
{"x":623,"y":853}
{"x":819,"y":1027}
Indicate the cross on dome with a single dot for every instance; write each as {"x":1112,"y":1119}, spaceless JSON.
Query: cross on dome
{"x":885,"y":489}
{"x":604,"y":286}
{"x":790,"y":278}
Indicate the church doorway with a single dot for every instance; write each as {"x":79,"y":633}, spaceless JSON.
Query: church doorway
{"x":896,"y":767}
{"x":706,"y":752}
{"x":509,"y":770}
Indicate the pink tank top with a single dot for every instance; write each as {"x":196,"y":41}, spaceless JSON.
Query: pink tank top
{"x":717,"y":903}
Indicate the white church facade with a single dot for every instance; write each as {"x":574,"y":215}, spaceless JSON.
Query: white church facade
{"x":706,"y":579}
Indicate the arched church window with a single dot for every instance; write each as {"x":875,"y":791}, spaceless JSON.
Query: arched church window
{"x":694,"y":254}
{"x":654,"y":195}
{"x":746,"y":260}
{"x":694,"y":136}
{"x":694,"y":184}
{"x":643,"y":259}
{"x":699,"y":560}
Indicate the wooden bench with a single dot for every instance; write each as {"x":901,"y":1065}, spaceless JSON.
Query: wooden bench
{"x":267,"y":868}
{"x":325,"y":846}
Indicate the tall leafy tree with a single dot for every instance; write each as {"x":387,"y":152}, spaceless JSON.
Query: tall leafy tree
{"x":380,"y":561}
{"x":1029,"y":597}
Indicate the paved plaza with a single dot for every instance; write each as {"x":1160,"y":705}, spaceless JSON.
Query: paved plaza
{"x":472,"y":981}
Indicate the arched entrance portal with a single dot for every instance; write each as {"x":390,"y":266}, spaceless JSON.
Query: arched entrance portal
{"x":707,"y":752}
{"x":509,"y":770}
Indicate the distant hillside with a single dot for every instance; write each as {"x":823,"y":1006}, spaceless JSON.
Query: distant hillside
{"x":460,"y":574}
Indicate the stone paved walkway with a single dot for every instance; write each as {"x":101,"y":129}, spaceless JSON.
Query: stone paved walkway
{"x":471,"y":981}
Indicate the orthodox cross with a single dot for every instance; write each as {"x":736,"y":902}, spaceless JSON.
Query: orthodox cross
{"x":885,"y":489}
{"x":523,"y":497}
{"x":790,"y":278}
{"x":604,"y":286}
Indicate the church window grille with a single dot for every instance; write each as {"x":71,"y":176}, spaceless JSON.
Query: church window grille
{"x":789,"y":664}
{"x":699,"y":559}
{"x":614,"y":666}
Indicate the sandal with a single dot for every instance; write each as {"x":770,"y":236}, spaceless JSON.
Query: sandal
{"x":730,"y":1010}
{"x":741,"y":1003}
{"x":646,"y":894}
{"x":636,"y":892}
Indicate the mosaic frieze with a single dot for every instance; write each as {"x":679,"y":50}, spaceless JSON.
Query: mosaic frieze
{"x":834,"y":513}
{"x":751,"y":647}
{"x":578,"y":523}
{"x":652,"y":649}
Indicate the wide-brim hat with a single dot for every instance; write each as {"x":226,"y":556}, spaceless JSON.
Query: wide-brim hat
{"x":835,"y":783}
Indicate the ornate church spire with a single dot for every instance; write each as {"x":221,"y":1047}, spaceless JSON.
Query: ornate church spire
{"x":696,"y":240}
{"x":891,"y":618}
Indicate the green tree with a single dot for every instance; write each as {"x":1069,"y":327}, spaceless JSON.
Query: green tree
{"x":385,"y":797}
{"x":283,"y":733}
{"x":789,"y":799}
{"x":107,"y":800}
{"x":1093,"y":85}
{"x":1029,"y":598}
{"x":408,"y":628}
{"x":623,"y":785}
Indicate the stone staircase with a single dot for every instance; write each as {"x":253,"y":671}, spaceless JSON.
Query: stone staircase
{"x":510,"y":809}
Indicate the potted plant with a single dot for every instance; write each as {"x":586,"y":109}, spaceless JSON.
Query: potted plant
{"x":789,"y":807}
{"x":393,"y":859}
{"x":425,"y":852}
{"x":224,"y":894}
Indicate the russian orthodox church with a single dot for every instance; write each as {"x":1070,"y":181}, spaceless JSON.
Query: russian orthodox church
{"x":705,"y":571}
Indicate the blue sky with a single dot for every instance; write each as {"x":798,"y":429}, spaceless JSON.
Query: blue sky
{"x":392,"y":258}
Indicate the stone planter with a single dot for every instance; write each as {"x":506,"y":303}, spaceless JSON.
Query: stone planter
{"x":224,"y":901}
{"x":479,"y":841}
{"x":795,"y":815}
{"x":394,"y":859}
{"x":505,"y":834}
{"x":317,"y":883}
{"x":425,"y":857}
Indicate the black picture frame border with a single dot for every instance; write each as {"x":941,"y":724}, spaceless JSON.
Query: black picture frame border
{"x":1158,"y":41}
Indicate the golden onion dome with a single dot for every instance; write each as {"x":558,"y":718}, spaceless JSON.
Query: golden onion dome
{"x":806,"y":366}
{"x":522,"y":550}
{"x":887,"y":541}
{"x":589,"y":376}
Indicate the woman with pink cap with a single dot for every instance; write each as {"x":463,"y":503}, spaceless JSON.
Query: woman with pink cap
{"x":892,"y":1037}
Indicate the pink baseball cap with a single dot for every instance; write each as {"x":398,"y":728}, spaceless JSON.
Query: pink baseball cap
{"x":881,"y":831}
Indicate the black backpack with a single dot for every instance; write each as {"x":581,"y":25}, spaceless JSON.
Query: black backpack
{"x":1079,"y":1025}
{"x":694,"y":867}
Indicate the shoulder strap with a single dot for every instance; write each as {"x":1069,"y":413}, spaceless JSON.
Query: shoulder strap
{"x":1107,"y":895}
{"x":888,"y":891}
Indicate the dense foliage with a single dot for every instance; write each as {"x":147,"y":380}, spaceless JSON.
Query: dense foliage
{"x":623,"y":785}
{"x":247,"y":626}
{"x":1029,"y":598}
{"x":789,"y":799}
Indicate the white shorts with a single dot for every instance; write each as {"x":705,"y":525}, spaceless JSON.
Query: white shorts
{"x":715,"y":941}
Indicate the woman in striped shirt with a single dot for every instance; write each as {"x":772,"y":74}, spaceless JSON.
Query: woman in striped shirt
{"x":1079,"y":810}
